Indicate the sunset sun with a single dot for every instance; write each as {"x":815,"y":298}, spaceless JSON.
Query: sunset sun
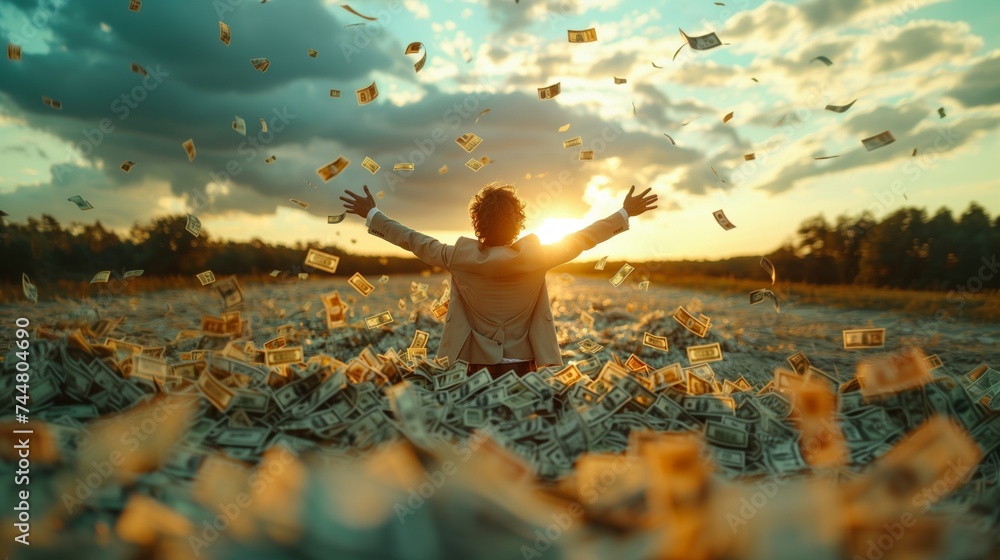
{"x":554,"y":229}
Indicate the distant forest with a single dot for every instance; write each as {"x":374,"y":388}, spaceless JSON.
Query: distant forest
{"x":906,"y":249}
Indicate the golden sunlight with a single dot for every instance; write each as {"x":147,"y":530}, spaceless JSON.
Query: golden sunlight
{"x":554,"y":229}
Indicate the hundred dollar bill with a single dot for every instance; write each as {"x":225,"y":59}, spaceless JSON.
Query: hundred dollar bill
{"x":206,"y":277}
{"x":336,"y":219}
{"x":193,"y":225}
{"x":474,"y":164}
{"x":367,"y":95}
{"x":709,"y":405}
{"x":402,"y":166}
{"x":934,"y":362}
{"x":101,"y":276}
{"x":260,"y":64}
{"x":323,"y":261}
{"x":587,"y":319}
{"x":766,"y":264}
{"x":582,"y":36}
{"x":548,"y":92}
{"x":30,"y":291}
{"x":13,"y":52}
{"x":299,"y":203}
{"x":418,"y":296}
{"x":878,"y":141}
{"x":420,"y":339}
{"x":282,"y":356}
{"x":841,"y":108}
{"x":799,"y":362}
{"x":414,"y":48}
{"x":577,"y":141}
{"x":726,"y":435}
{"x":225,"y":33}
{"x":218,"y":394}
{"x":588,"y":346}
{"x":334,"y":308}
{"x":864,"y":338}
{"x":720,"y":217}
{"x":704,"y":353}
{"x":653,"y":341}
{"x":468,"y":141}
{"x":633,"y":363}
{"x":439,"y":310}
{"x":189,"y":149}
{"x":702,"y":43}
{"x":600,"y":264}
{"x":688,"y":321}
{"x":622,"y":273}
{"x":375,"y":321}
{"x":231,"y":292}
{"x":332,"y":169}
{"x":370,"y":165}
{"x":127,"y":166}
{"x":358,"y":282}
{"x":80,"y":202}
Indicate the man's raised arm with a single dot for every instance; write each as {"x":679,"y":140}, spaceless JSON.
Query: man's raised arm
{"x":587,"y":238}
{"x":424,"y":247}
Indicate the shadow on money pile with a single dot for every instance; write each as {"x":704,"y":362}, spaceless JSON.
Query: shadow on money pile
{"x":239,"y":452}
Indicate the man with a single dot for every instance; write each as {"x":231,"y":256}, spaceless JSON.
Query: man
{"x":498,"y":315}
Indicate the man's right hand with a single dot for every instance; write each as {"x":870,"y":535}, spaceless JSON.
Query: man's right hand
{"x":360,"y":205}
{"x":635,"y":205}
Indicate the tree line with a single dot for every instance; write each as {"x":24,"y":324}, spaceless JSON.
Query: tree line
{"x":905,"y":249}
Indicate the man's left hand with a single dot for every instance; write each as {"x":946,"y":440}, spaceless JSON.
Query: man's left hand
{"x":360,"y":205}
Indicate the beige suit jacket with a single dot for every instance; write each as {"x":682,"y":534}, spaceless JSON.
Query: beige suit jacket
{"x":499,"y":305}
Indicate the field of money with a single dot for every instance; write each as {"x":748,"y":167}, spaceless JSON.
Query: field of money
{"x":214,"y":421}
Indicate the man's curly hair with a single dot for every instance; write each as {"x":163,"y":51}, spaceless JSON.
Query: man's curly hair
{"x":497,"y":214}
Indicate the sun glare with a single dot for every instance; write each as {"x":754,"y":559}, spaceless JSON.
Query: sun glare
{"x":554,"y":229}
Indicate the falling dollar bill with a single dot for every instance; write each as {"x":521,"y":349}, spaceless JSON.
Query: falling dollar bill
{"x":52,"y":103}
{"x":758,"y":296}
{"x":588,"y":346}
{"x":193,"y":225}
{"x":799,"y":362}
{"x":728,"y":117}
{"x":336,"y":219}
{"x":206,"y":277}
{"x":367,"y":95}
{"x":587,"y":319}
{"x":643,"y":286}
{"x":369,"y":164}
{"x":299,"y":203}
{"x":334,"y":93}
{"x":240,"y":125}
{"x":283,"y":356}
{"x":548,"y":92}
{"x":720,"y":217}
{"x":138,"y":69}
{"x":766,"y":264}
{"x":468,"y":141}
{"x":420,"y":339}
{"x":619,"y":81}
{"x":941,"y":112}
{"x":586,"y":154}
{"x":934,"y":362}
{"x":271,"y":159}
{"x":474,"y":164}
{"x":332,"y":169}
{"x":323,"y":261}
{"x":30,"y":291}
{"x":702,"y":43}
{"x":414,"y":48}
{"x":653,"y":341}
{"x":132,"y":273}
{"x":864,"y":338}
{"x":225,"y":33}
{"x":578,"y":141}
{"x":358,"y":282}
{"x":442,"y":170}
{"x":841,"y":108}
{"x":749,"y":157}
{"x":688,"y":321}
{"x":380,"y":194}
{"x":823,"y":59}
{"x":80,"y":202}
{"x":189,"y":149}
{"x":135,"y":5}
{"x":13,"y":52}
{"x":231,"y":292}
{"x":878,"y":141}
{"x":353,"y":11}
{"x":101,"y":276}
{"x":893,"y":373}
{"x":622,"y":273}
{"x":263,"y":125}
{"x":600,"y":264}
{"x":582,"y":36}
{"x":375,"y":321}
{"x":704,"y":353}
{"x":127,"y":166}
{"x":481,"y":113}
{"x":312,"y":53}
{"x":260,"y":64}
{"x":335,"y":309}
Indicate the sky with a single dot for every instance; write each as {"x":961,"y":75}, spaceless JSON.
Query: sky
{"x":901,"y":60}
